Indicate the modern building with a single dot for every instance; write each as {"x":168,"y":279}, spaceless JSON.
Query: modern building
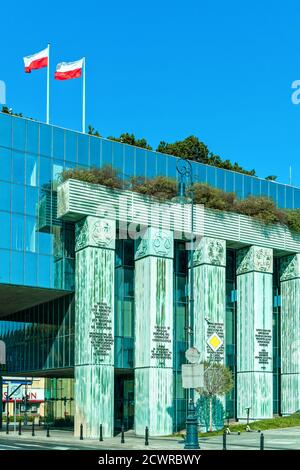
{"x":82,"y":298}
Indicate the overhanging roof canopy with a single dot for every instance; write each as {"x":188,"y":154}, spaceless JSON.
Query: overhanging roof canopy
{"x":15,"y":298}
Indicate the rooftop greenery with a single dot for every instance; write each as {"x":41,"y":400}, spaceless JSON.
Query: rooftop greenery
{"x":260,"y":208}
{"x":191,"y":148}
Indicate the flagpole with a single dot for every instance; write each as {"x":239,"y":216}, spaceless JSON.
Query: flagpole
{"x":83,"y":97}
{"x":48,"y":86}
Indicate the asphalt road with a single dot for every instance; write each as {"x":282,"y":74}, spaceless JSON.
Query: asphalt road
{"x":280,"y":439}
{"x":25,"y":444}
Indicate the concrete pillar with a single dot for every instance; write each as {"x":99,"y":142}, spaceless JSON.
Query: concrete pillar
{"x":209,"y":315}
{"x":154,"y":333}
{"x":94,"y":326}
{"x":254,"y":332}
{"x":290,"y":334}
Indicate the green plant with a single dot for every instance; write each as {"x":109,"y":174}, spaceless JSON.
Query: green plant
{"x":260,"y":208}
{"x":130,"y":139}
{"x":160,"y":187}
{"x":213,"y":197}
{"x":293,"y":219}
{"x":106,"y":175}
{"x":217,"y":382}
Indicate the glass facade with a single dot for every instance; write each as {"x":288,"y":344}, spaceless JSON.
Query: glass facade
{"x":41,"y":337}
{"x":181,"y":331}
{"x":276,"y":339}
{"x":36,"y":249}
{"x":124,"y":304}
{"x":230,"y":337}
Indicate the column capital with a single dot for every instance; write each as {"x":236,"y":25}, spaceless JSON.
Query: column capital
{"x":290,"y":267}
{"x":210,"y":251}
{"x":95,"y":232}
{"x":155,"y":242}
{"x":255,"y":258}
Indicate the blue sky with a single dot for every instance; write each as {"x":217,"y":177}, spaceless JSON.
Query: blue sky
{"x":167,"y":69}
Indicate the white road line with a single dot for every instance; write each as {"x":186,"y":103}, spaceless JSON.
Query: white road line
{"x":274,"y":441}
{"x":30,"y":445}
{"x":60,"y":448}
{"x":10,"y":447}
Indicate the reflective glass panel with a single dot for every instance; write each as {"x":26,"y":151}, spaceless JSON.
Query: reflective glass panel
{"x":18,"y":198}
{"x":71,"y":146}
{"x":264,"y":185}
{"x":32,"y":140}
{"x":17,"y":262}
{"x":4,"y":265}
{"x":83,"y":149}
{"x":239,"y":185}
{"x":58,"y":143}
{"x":5,"y":164}
{"x":95,"y":151}
{"x":289,"y":197}
{"x":5,"y":230}
{"x":211,"y":175}
{"x":31,"y":169}
{"x":17,"y":242}
{"x":45,"y":140}
{"x":5,"y":192}
{"x":19,"y":134}
{"x":18,"y":167}
{"x":5,"y":130}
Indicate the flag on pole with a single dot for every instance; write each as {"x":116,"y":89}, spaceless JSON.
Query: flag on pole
{"x":68,"y":70}
{"x":36,"y":61}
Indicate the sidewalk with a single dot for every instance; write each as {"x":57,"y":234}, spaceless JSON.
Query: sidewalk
{"x":66,"y":438}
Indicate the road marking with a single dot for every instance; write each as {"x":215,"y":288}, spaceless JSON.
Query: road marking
{"x":274,"y":441}
{"x":10,"y":447}
{"x":30,"y":445}
{"x":60,"y":448}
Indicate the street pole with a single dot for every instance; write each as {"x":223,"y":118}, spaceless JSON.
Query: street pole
{"x":15,"y":415}
{"x":1,"y":395}
{"x":185,"y":170}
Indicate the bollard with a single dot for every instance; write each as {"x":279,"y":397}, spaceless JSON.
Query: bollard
{"x":262,"y":441}
{"x":101,"y":433}
{"x":146,"y":436}
{"x":20,"y":428}
{"x":48,"y":431}
{"x":7,"y":426}
{"x":33,"y":434}
{"x":224,"y":440}
{"x":81,"y":432}
{"x":122,"y":435}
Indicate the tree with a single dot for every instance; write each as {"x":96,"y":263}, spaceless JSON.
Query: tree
{"x":130,"y":139}
{"x":217,"y":381}
{"x":92,"y":131}
{"x":271,"y":177}
{"x":191,"y":148}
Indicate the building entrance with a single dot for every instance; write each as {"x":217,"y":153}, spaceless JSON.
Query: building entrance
{"x":124,"y":399}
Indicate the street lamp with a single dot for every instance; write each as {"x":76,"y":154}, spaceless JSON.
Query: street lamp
{"x":185,"y":170}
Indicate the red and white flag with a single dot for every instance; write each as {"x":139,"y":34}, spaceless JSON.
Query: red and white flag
{"x":36,"y":61}
{"x":67,"y":70}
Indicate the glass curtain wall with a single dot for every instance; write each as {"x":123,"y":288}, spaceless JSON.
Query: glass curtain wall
{"x":41,"y":337}
{"x":180,"y":331}
{"x":231,"y":297}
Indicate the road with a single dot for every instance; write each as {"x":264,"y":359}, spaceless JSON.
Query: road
{"x":279,"y":439}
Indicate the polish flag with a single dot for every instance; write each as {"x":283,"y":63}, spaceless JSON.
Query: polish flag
{"x":67,"y":70}
{"x":36,"y":61}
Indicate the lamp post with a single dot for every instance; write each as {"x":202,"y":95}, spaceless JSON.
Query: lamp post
{"x":185,"y":170}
